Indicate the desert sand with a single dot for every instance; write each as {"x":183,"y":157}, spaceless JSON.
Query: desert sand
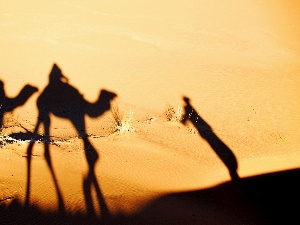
{"x":200,"y":123}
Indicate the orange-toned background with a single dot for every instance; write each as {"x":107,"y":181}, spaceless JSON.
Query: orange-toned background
{"x":238,"y":62}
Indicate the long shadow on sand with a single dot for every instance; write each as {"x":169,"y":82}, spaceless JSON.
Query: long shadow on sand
{"x":264,"y":199}
{"x":259,"y":200}
{"x":207,"y":133}
{"x":63,"y":100}
{"x":8,"y":104}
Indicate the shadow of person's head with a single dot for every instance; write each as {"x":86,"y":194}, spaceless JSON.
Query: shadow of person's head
{"x":56,"y":75}
{"x":186,"y":100}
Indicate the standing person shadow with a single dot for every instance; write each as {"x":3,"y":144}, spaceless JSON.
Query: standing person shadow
{"x":8,"y":104}
{"x":63,"y":100}
{"x":206,"y":132}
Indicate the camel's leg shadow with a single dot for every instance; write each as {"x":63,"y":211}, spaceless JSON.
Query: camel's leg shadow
{"x":46,"y":122}
{"x":90,"y":180}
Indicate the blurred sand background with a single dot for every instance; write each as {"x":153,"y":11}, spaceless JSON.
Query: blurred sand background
{"x":237,"y":61}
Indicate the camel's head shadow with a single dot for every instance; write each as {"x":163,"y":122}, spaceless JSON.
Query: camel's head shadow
{"x":30,"y":89}
{"x":103,"y":104}
{"x":107,"y":95}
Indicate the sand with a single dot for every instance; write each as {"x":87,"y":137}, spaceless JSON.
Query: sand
{"x":237,"y":63}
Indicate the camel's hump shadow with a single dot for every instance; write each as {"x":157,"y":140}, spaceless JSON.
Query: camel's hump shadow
{"x":64,"y":100}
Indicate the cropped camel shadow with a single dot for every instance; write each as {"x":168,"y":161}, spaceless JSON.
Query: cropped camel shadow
{"x":63,"y":100}
{"x":8,"y":104}
{"x":207,"y":133}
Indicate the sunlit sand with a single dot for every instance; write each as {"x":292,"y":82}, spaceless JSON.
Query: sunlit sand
{"x":201,"y":104}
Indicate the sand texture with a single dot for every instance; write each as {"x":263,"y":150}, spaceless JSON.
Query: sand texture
{"x":150,"y":112}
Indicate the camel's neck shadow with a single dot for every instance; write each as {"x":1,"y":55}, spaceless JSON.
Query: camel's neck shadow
{"x":8,"y":104}
{"x":65,"y":101}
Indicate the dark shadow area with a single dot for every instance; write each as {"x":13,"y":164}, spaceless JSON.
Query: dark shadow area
{"x":207,"y":133}
{"x":258,"y":200}
{"x":63,"y":100}
{"x":8,"y":104}
{"x":16,"y":213}
{"x":29,"y":136}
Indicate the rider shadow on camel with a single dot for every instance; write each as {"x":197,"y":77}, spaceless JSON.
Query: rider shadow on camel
{"x":63,"y":100}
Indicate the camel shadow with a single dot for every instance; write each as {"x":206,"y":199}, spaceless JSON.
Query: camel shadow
{"x":207,"y":133}
{"x":63,"y":100}
{"x":8,"y":104}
